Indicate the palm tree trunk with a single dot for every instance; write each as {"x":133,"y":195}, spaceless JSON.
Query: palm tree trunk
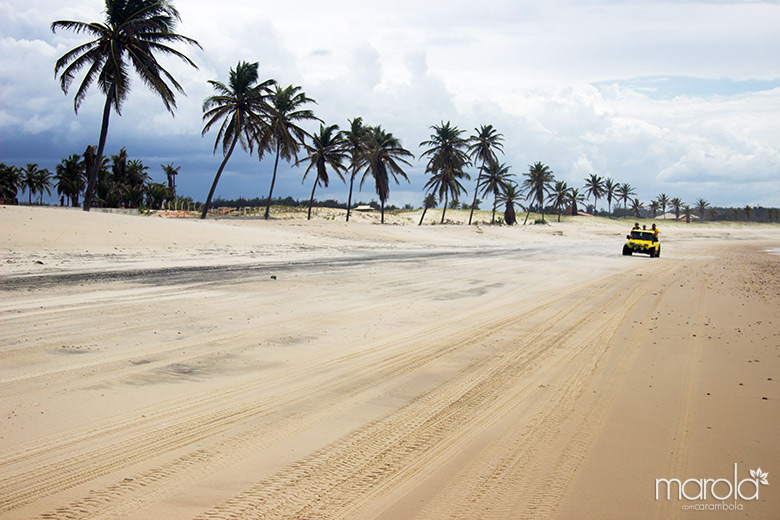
{"x":425,"y":208}
{"x":527,"y":215}
{"x":474,"y":203}
{"x":311,"y":201}
{"x":92,"y":175}
{"x":382,"y":201}
{"x":216,"y":178}
{"x":273,"y":180}
{"x":444,"y":208}
{"x":351,"y":183}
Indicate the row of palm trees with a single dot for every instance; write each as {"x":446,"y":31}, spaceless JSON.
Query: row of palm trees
{"x":120,"y":183}
{"x":268,"y":117}
{"x":265,"y":116}
{"x":31,"y":178}
{"x":261,"y":115}
{"x":598,"y":187}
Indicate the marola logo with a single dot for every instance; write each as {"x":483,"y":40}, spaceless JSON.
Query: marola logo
{"x":707,"y":488}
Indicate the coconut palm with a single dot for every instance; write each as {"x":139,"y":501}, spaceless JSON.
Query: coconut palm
{"x":496,"y":180}
{"x":509,"y":198}
{"x":625,"y":191}
{"x":594,"y":186}
{"x":119,"y":167}
{"x":27,"y":180}
{"x":133,"y":32}
{"x":663,"y":201}
{"x":383,"y":158}
{"x":609,"y":192}
{"x":242,"y":107}
{"x":687,"y":211}
{"x":445,"y":186}
{"x":170,"y":175}
{"x":654,"y":207}
{"x":42,"y":180}
{"x":559,"y":197}
{"x":537,"y":185}
{"x":136,"y":173}
{"x":575,"y":198}
{"x":355,"y":145}
{"x":483,"y":146}
{"x":156,"y":194}
{"x":282,"y":134}
{"x":637,"y":206}
{"x":10,"y":180}
{"x":428,"y":202}
{"x":676,"y":204}
{"x":701,"y":207}
{"x":69,"y":175}
{"x":327,"y":149}
{"x":446,"y":163}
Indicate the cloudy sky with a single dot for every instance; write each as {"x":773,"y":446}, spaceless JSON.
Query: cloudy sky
{"x":676,"y":97}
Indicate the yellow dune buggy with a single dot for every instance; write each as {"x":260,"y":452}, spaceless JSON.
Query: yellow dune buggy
{"x":641,"y":241}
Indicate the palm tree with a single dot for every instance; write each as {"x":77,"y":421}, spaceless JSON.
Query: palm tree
{"x":170,"y":175}
{"x":663,"y":201}
{"x":575,"y":197}
{"x":133,"y":32}
{"x":594,"y":186}
{"x":383,"y":158}
{"x":496,"y":181}
{"x":282,"y":133}
{"x":119,"y":167}
{"x":509,"y":198}
{"x":136,"y":172}
{"x":537,"y":185}
{"x":687,"y":212}
{"x":637,"y":206}
{"x":701,"y":207}
{"x":676,"y":204}
{"x":559,"y":196}
{"x":10,"y":180}
{"x":428,"y":202}
{"x":482,"y":147}
{"x":448,"y":158}
{"x":29,"y":180}
{"x":43,"y":183}
{"x":241,"y":106}
{"x":157,"y":193}
{"x":327,"y":150}
{"x":70,"y":178}
{"x":625,"y":191}
{"x":355,"y":145}
{"x":609,"y":192}
{"x":654,"y":207}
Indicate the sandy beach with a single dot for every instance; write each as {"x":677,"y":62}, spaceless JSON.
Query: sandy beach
{"x":242,"y":369}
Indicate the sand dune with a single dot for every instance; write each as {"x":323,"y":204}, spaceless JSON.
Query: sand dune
{"x":179,"y":369}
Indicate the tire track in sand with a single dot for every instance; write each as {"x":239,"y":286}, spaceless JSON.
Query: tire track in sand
{"x":339,"y":479}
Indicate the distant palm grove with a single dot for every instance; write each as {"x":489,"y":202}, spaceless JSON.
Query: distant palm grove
{"x":266,"y":117}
